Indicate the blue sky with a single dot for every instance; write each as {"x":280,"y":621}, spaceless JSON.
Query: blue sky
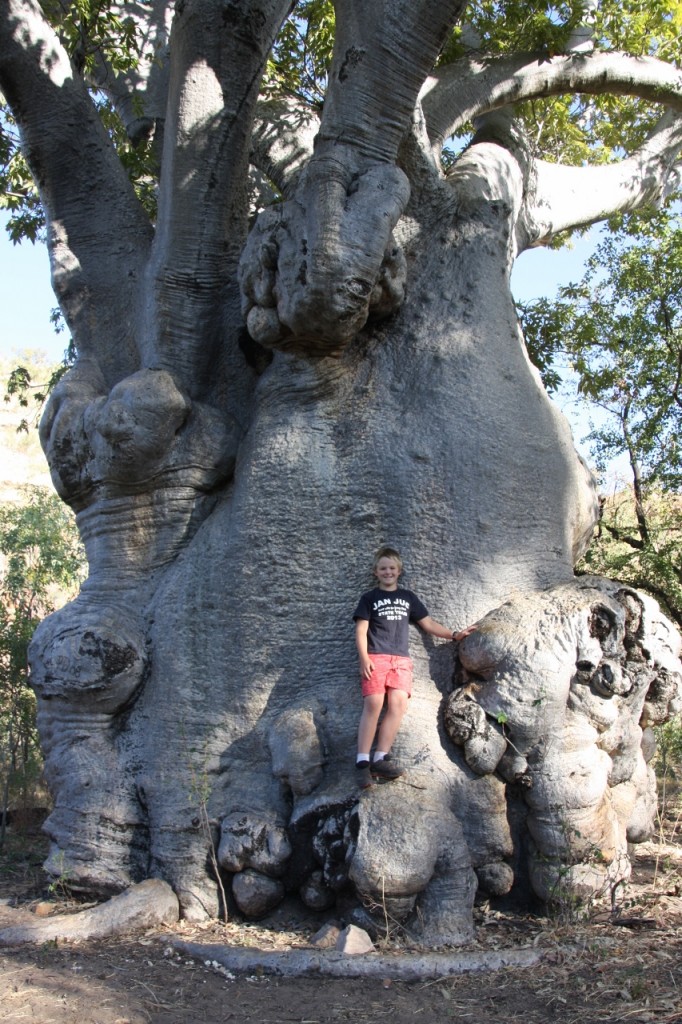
{"x":26,"y":299}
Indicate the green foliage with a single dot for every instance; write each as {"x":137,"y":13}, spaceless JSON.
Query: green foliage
{"x":139,"y":158}
{"x":41,"y":551}
{"x":641,"y":26}
{"x":667,"y":764}
{"x":506,"y":26}
{"x":41,"y":564}
{"x":620,"y":328}
{"x":302,"y":54}
{"x":543,"y":336}
{"x":91,"y":30}
{"x":29,"y":384}
{"x":18,"y":194}
{"x":652,"y":562}
{"x":668,"y":760}
{"x":20,"y":385}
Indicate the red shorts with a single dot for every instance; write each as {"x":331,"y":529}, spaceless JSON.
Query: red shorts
{"x":391,"y":672}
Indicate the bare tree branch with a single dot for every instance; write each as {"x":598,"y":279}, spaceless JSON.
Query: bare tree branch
{"x":382,"y":53}
{"x":633,"y":542}
{"x":140,"y":93}
{"x":91,"y":210}
{"x":218,"y":53}
{"x":282,"y":140}
{"x":314,"y":270}
{"x":456,"y":93}
{"x":567,"y":197}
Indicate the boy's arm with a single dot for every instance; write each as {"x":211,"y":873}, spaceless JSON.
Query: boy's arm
{"x":366,"y":666}
{"x":434,"y":628}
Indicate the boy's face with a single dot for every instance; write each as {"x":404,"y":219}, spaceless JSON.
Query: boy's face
{"x":387,"y":572}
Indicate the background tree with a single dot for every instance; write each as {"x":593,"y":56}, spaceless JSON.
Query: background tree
{"x":252,"y":412}
{"x":42,"y":564}
{"x":620,"y":329}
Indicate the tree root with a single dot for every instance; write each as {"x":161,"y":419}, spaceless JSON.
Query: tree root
{"x":148,"y":905}
{"x":330,"y":963}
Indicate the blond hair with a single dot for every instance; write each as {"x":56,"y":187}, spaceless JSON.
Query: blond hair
{"x":385,"y":551}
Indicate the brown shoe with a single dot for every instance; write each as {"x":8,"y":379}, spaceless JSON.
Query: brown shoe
{"x":386,"y":769}
{"x":363,"y":775}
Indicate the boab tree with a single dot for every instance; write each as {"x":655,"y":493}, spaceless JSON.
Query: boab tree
{"x":252,"y":413}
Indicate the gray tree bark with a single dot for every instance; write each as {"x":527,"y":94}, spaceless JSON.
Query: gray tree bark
{"x":201,"y":693}
{"x":150,"y":904}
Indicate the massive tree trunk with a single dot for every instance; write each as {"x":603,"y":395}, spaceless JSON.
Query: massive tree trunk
{"x":202,"y":691}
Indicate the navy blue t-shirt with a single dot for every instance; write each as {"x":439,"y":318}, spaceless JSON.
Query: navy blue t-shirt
{"x":389,"y":613}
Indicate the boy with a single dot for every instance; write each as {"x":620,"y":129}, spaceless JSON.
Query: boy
{"x":382,"y":620}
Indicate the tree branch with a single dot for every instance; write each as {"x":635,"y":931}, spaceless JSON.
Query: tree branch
{"x":457,"y":93}
{"x":563,"y":197}
{"x":140,"y":93}
{"x":382,"y":53}
{"x":282,"y":140}
{"x":98,"y":234}
{"x":669,"y":336}
{"x":636,"y":473}
{"x":218,"y":51}
{"x":316,"y":268}
{"x":633,"y":542}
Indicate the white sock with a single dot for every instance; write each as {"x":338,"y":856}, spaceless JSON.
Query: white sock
{"x":362,"y":757}
{"x":379,"y":755}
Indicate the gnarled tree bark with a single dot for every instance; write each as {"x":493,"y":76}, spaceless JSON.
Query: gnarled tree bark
{"x":201,"y":691}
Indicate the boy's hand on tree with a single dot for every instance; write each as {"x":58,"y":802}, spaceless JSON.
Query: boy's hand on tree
{"x":465,"y":632}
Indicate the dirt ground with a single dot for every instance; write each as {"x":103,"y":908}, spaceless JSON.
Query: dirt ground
{"x":625,"y":967}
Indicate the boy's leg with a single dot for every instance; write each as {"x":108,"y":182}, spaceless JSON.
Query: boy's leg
{"x":371,"y":709}
{"x":382,"y":765}
{"x":395,"y":711}
{"x":372,"y":705}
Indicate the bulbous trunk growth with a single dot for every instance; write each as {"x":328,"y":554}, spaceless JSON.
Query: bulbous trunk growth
{"x":227,"y":679}
{"x":198,"y":702}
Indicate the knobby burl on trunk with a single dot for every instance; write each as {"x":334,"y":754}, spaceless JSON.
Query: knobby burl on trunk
{"x":230,"y":489}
